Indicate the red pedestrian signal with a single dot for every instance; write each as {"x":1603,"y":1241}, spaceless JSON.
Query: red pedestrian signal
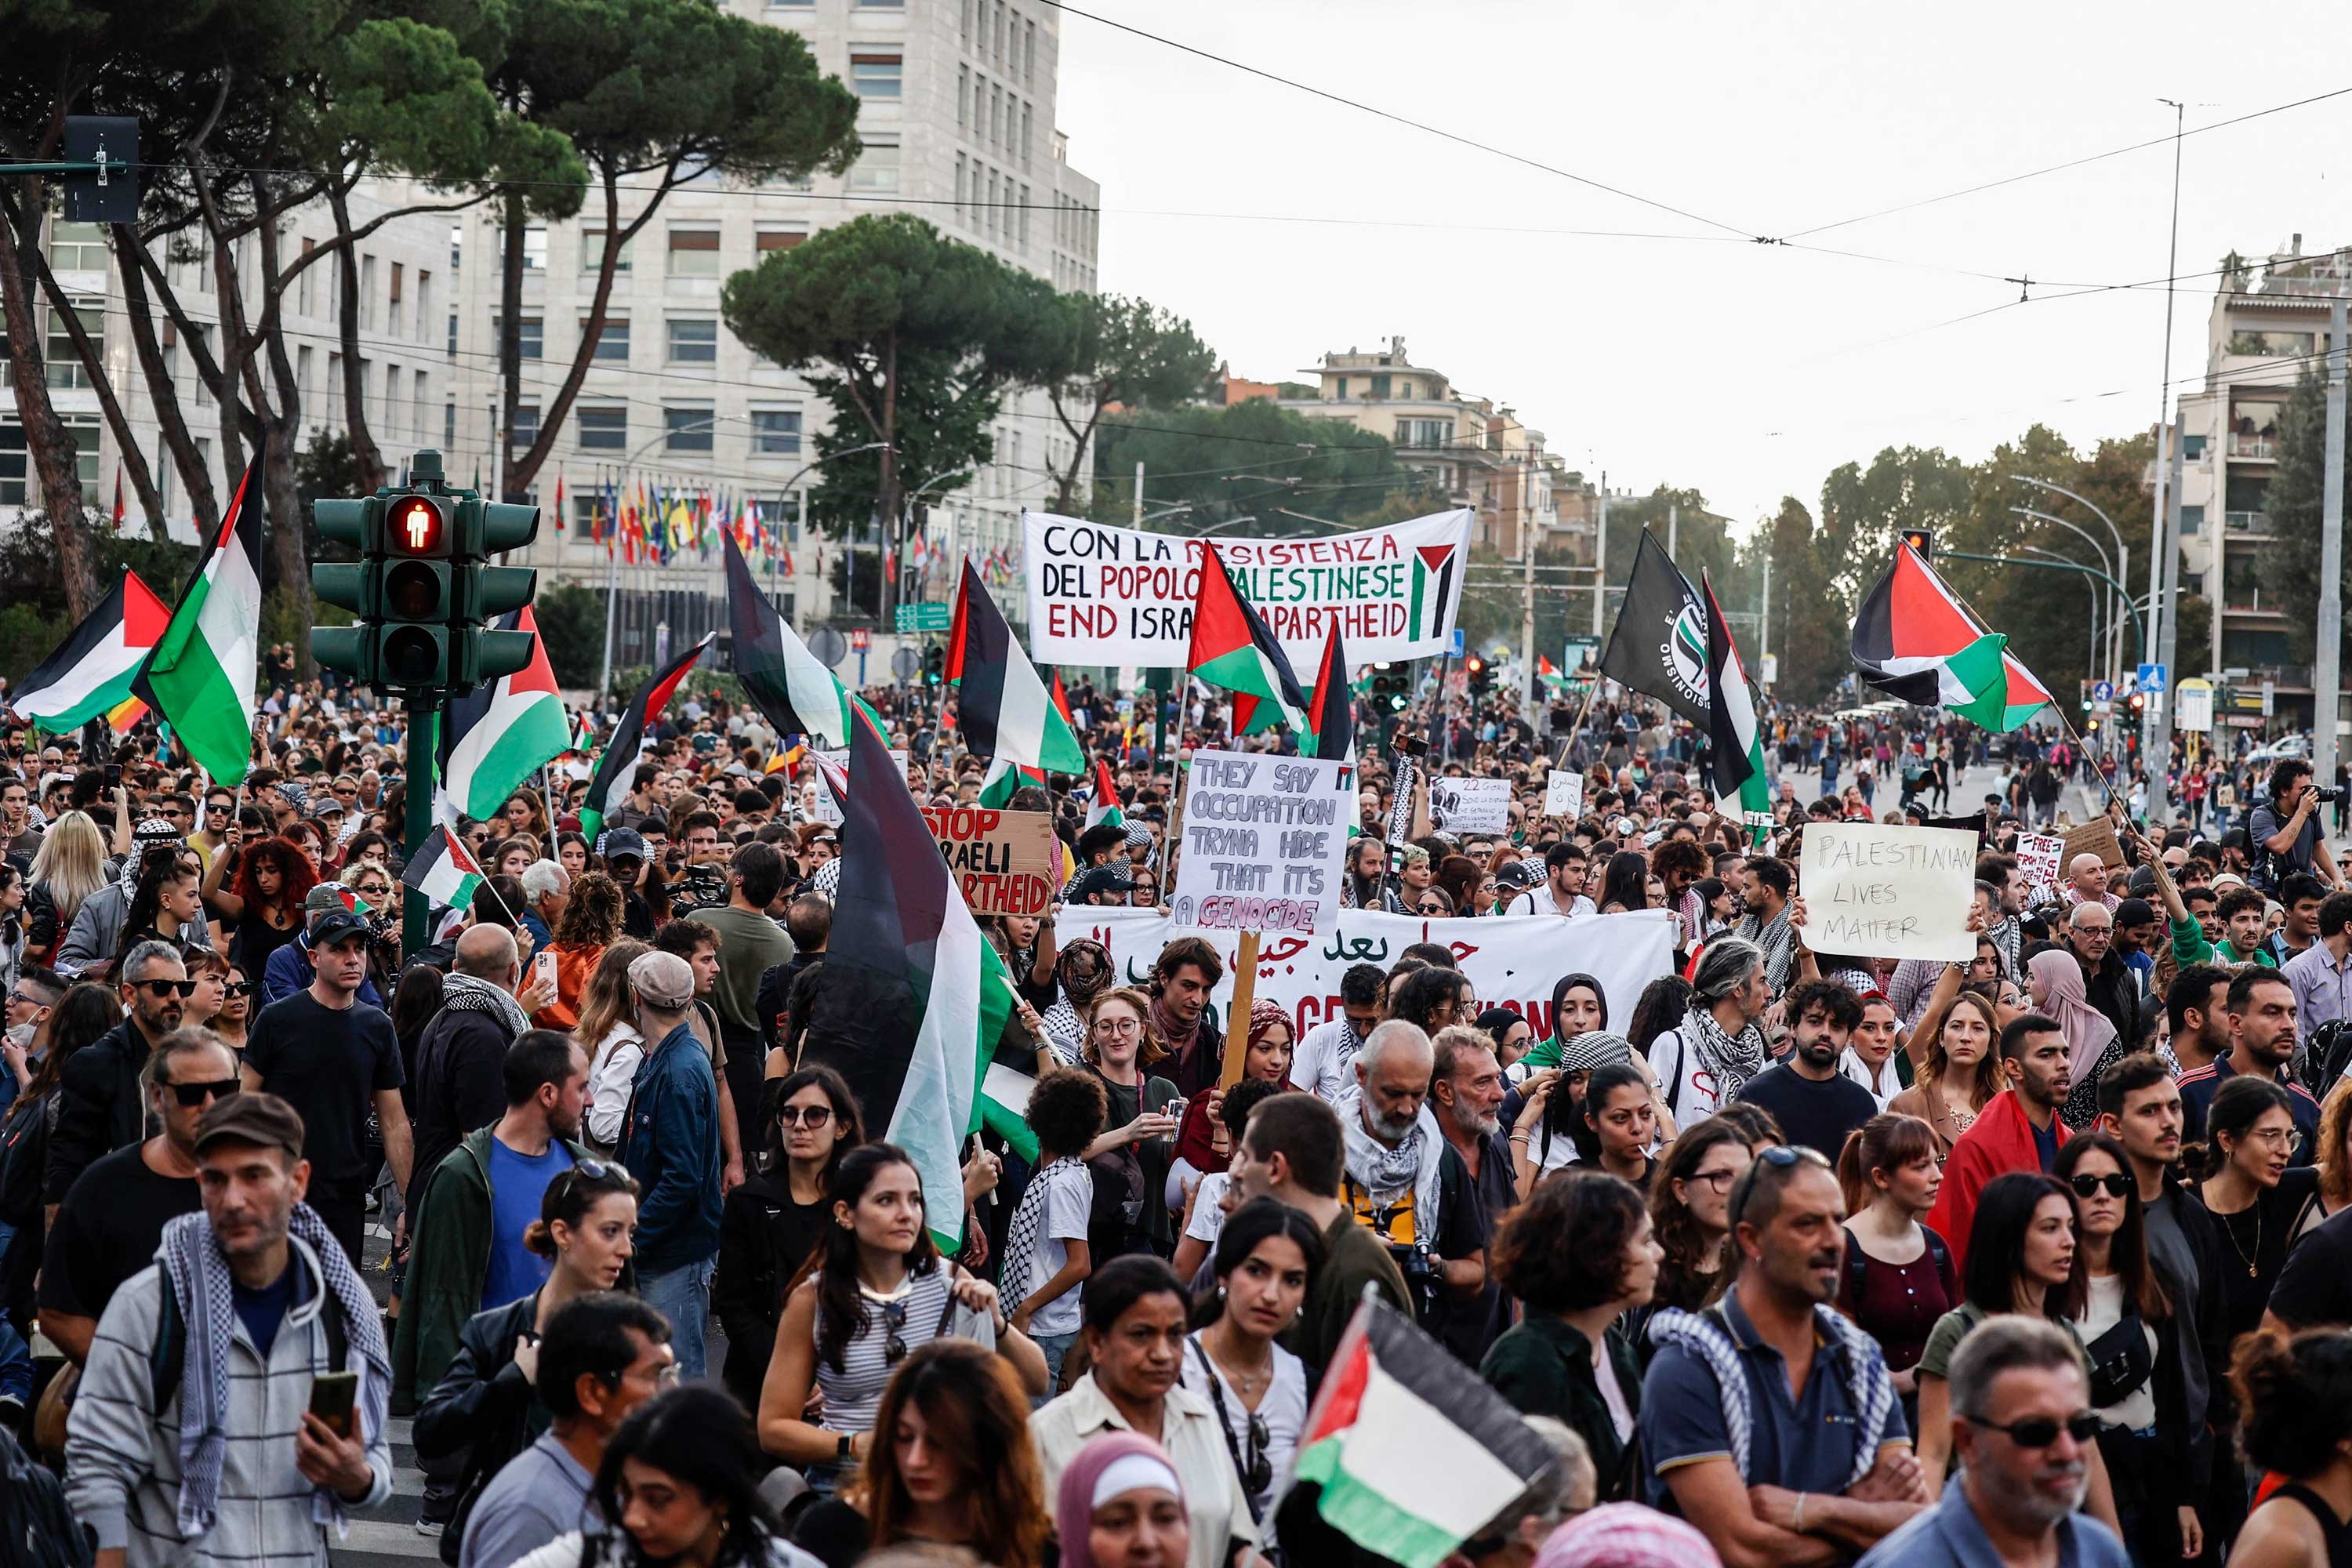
{"x":415,"y":527}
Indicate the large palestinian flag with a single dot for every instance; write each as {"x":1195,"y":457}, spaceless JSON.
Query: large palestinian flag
{"x":914,"y":1031}
{"x":88,"y":675}
{"x":1411,"y":1456}
{"x":496,"y":736}
{"x":1914,"y":639}
{"x":796,"y":692}
{"x":1231,"y":648}
{"x":1003,"y":710}
{"x":1736,"y":747}
{"x":631,"y":740}
{"x":202,"y":674}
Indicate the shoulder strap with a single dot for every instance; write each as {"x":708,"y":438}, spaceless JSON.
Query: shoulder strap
{"x":167,"y":1355}
{"x":947,"y":1308}
{"x":1857,"y":1266}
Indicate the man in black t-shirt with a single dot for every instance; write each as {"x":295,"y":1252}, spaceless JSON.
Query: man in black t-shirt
{"x":1816,"y":1105}
{"x":332,"y":1057}
{"x":112,"y":1217}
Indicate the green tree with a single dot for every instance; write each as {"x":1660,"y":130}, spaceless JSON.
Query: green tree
{"x":1116,"y":349}
{"x":2288,"y":565}
{"x":1811,"y":617}
{"x":1251,"y":459}
{"x":1862,"y":509}
{"x":912,"y":338}
{"x":570,"y":618}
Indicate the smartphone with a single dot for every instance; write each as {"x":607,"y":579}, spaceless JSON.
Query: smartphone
{"x":113,"y":775}
{"x":332,"y":1396}
{"x":542,"y":964}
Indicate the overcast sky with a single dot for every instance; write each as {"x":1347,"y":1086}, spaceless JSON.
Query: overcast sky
{"x":1746,"y":371}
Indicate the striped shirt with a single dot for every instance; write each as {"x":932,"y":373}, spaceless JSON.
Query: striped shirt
{"x":923,"y":1312}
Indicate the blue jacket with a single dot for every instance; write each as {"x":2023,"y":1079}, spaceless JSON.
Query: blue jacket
{"x":669,"y":1142}
{"x":291,"y":970}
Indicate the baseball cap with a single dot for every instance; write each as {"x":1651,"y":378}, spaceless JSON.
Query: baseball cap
{"x":324,"y":897}
{"x":256,"y":1118}
{"x":2135,"y":912}
{"x":1101,"y":879}
{"x":663,"y":979}
{"x":338,"y":925}
{"x":1516,"y":876}
{"x":625,"y":841}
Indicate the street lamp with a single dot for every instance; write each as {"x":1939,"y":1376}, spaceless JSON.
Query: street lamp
{"x":2119,"y":570}
{"x":2123,"y":556}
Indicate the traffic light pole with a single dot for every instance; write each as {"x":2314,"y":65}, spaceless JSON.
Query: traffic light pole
{"x":424,"y":741}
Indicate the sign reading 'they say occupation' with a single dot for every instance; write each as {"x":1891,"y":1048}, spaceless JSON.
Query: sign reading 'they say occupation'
{"x":1263,"y":840}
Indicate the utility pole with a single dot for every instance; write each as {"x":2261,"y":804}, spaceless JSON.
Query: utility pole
{"x":2159,"y":716}
{"x":1764,"y":619}
{"x":1526,"y":603}
{"x":1673,"y":515}
{"x":1601,"y":559}
{"x":2159,"y":611}
{"x":2329,"y":675}
{"x":1138,"y":495}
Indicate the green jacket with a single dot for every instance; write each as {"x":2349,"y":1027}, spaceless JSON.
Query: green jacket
{"x":2190,"y":946}
{"x":449,"y":1240}
{"x":1543,"y":1366}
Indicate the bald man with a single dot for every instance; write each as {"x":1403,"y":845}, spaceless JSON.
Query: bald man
{"x":461,"y":1057}
{"x":2086,"y":882}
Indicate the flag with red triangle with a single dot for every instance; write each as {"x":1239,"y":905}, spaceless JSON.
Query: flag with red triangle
{"x":1331,"y":715}
{"x":559,"y":503}
{"x":1232,"y":647}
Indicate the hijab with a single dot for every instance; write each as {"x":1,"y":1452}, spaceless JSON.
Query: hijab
{"x":1112,"y":1464}
{"x":1545,"y":1053}
{"x":2088,"y":1030}
{"x":1195,"y":1137}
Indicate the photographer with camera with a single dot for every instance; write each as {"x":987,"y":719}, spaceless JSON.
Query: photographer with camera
{"x":1405,"y":1182}
{"x":2285,"y":829}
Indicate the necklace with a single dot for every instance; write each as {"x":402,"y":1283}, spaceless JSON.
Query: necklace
{"x":2231,"y":1232}
{"x":1247,"y":1381}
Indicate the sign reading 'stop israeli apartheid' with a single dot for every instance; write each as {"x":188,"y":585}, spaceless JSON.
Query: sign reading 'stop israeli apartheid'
{"x":1264,"y":839}
{"x":1002,"y":861}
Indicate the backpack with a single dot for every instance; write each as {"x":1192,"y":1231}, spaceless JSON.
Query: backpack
{"x":2325,"y":1057}
{"x":36,"y":1529}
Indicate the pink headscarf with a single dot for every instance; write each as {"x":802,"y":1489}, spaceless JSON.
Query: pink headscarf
{"x":2088,"y":1030}
{"x":1134,"y":1457}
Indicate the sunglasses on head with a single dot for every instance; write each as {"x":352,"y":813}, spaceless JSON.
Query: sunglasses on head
{"x":594,"y":1171}
{"x":159,"y":989}
{"x":192,"y":1095}
{"x":2115,"y":1182}
{"x":2041,"y":1431}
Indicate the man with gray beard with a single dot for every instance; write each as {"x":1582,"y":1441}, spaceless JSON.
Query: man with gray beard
{"x":2022,"y":1433}
{"x":1400,"y":1182}
{"x":1467,"y":1091}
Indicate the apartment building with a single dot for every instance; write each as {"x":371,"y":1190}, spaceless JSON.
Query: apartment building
{"x":957,"y":118}
{"x":403,"y":292}
{"x":1477,"y":452}
{"x":2267,"y":326}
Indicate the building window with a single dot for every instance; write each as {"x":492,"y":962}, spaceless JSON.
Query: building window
{"x":448,"y":426}
{"x":604,"y":429}
{"x":77,"y":247}
{"x":960,"y":189}
{"x":963,"y":24}
{"x":881,"y":4}
{"x":780,"y":239}
{"x":456,"y":247}
{"x":995,"y":115}
{"x":693,"y":341}
{"x":592,"y":252}
{"x":687,"y":428}
{"x":452,"y":334}
{"x":877,"y":168}
{"x":423,"y":303}
{"x":2193,"y":520}
{"x":534,"y":248}
{"x":963,"y":97}
{"x":1024,"y":210}
{"x":613,"y":342}
{"x":526,"y":427}
{"x":876,"y":78}
{"x":398,"y":321}
{"x":790,"y":4}
{"x":367,"y":292}
{"x":533,"y":335}
{"x":776,"y":431}
{"x":1341,"y":392}
{"x":65,"y":366}
{"x":2192,"y":447}
{"x":694,"y":253}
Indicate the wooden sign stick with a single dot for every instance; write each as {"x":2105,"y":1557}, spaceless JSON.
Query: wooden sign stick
{"x":1237,"y":1015}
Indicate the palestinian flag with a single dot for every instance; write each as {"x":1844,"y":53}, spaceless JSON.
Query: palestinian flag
{"x":88,"y":675}
{"x":631,"y":741}
{"x":1735,"y":744}
{"x":1103,"y":807}
{"x":444,"y":872}
{"x":496,"y":736}
{"x":1003,"y":710}
{"x":1434,"y":593}
{"x":201,"y":676}
{"x":1659,"y":644}
{"x":796,"y":693}
{"x":1232,"y":648}
{"x":1331,"y":715}
{"x":916,"y":1028}
{"x":1914,"y":639}
{"x":1412,"y":1458}
{"x":1003,"y":779}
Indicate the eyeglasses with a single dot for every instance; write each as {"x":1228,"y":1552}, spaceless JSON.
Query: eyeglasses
{"x":18,"y":999}
{"x":2115,"y":1184}
{"x":190,"y":1095}
{"x":1719,"y":1180}
{"x":1116,"y":1025}
{"x":2041,"y":1431}
{"x":805,"y":1115}
{"x":2287,"y":1138}
{"x":159,"y":989}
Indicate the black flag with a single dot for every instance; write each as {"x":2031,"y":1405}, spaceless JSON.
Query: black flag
{"x":1659,"y":644}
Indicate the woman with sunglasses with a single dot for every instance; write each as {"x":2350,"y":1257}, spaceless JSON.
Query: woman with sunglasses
{"x":876,"y":1290}
{"x":2135,"y":1343}
{"x":1265,"y":1261}
{"x":770,"y":1225}
{"x":265,"y":905}
{"x":586,"y":1230}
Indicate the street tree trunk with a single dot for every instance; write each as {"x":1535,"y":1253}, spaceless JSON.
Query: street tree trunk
{"x":364,"y":451}
{"x":510,"y":251}
{"x":47,"y":440}
{"x":186,"y":457}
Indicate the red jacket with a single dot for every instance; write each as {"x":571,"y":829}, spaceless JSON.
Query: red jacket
{"x":2000,"y":1142}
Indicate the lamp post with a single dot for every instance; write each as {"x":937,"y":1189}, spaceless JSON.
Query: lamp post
{"x":802,"y":524}
{"x":2119,"y":570}
{"x":2123,"y":555}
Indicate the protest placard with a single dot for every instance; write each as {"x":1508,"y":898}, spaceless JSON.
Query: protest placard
{"x":1099,"y":595}
{"x":1264,"y":839}
{"x":820,"y":804}
{"x":1469,"y":805}
{"x":2094,"y":838}
{"x":1564,"y":794}
{"x":1002,"y":861}
{"x":2039,"y":858}
{"x":1877,"y":892}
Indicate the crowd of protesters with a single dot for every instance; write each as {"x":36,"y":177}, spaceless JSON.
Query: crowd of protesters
{"x":1796,"y":1257}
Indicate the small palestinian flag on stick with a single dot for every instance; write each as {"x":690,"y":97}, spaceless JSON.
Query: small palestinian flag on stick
{"x":1105,"y":807}
{"x":1735,"y":748}
{"x":1331,"y":715}
{"x":88,"y":675}
{"x":631,"y":740}
{"x":1232,"y":647}
{"x":1412,"y":1458}
{"x":444,"y":872}
{"x":1914,"y":641}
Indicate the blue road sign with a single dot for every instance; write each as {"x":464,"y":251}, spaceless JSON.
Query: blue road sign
{"x":2151,"y":678}
{"x":2102,"y":691}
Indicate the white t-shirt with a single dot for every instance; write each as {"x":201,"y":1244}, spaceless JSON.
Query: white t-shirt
{"x":1540,"y":899}
{"x":1691,"y":1091}
{"x":1209,"y":1209}
{"x":1324,"y":1064}
{"x":2103,"y":1310}
{"x":1069,"y":1199}
{"x":1283,"y":1408}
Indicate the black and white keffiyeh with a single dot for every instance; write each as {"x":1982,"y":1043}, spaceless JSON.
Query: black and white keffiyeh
{"x":1028,"y":1223}
{"x":1385,"y":1171}
{"x":1777,"y":939}
{"x":1733,"y":1059}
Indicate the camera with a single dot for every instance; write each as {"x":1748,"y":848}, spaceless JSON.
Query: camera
{"x":1409,"y":745}
{"x":2326,"y":794}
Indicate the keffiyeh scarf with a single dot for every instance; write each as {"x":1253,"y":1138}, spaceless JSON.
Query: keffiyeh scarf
{"x":1860,"y":1363}
{"x":1027,"y":1227}
{"x":468,"y":994}
{"x":1386,"y":1173}
{"x":1732,"y":1059}
{"x":1778,"y":938}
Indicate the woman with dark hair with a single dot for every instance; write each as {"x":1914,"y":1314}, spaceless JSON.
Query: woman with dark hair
{"x":770,"y":1225}
{"x":1579,"y":1254}
{"x":1579,"y":1007}
{"x":586,"y":1228}
{"x":1201,"y":1147}
{"x":1431,"y":998}
{"x":1082,"y":970}
{"x":1265,"y":1261}
{"x":2136,"y":1343}
{"x":1659,"y":1008}
{"x":875,"y":1290}
{"x":1508,"y":1029}
{"x":273,"y":879}
{"x":1897,"y":1282}
{"x":2020,"y":1257}
{"x":413,"y":1006}
{"x":1458,"y":877}
{"x":571,"y":853}
{"x":164,"y":904}
{"x":954,"y":1468}
{"x":1690,"y":1215}
{"x":80,"y":1015}
{"x":1625,"y":885}
{"x":1715,"y":906}
{"x":2295,"y":1395}
{"x":1621,"y":1120}
{"x":2252,"y":1192}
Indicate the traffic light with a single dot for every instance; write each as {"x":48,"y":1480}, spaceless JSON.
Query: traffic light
{"x":2139,"y":701}
{"x":1389,"y":694}
{"x":935,"y":666}
{"x":1481,"y":675}
{"x":1922,"y":539}
{"x":480,"y":593}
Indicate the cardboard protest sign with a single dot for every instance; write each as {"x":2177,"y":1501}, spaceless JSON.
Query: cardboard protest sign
{"x":2093,"y":838}
{"x":820,"y":804}
{"x":1263,"y":840}
{"x":1877,"y":891}
{"x":2039,"y":858}
{"x":1564,"y":794}
{"x":1002,"y":861}
{"x":1469,"y":805}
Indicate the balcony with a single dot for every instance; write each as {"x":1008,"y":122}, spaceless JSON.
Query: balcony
{"x":2265,"y":447}
{"x":2246,"y":521}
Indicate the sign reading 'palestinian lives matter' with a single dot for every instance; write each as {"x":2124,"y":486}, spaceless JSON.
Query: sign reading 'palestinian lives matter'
{"x":1264,"y":838}
{"x":1122,"y":596}
{"x":1888,"y":892}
